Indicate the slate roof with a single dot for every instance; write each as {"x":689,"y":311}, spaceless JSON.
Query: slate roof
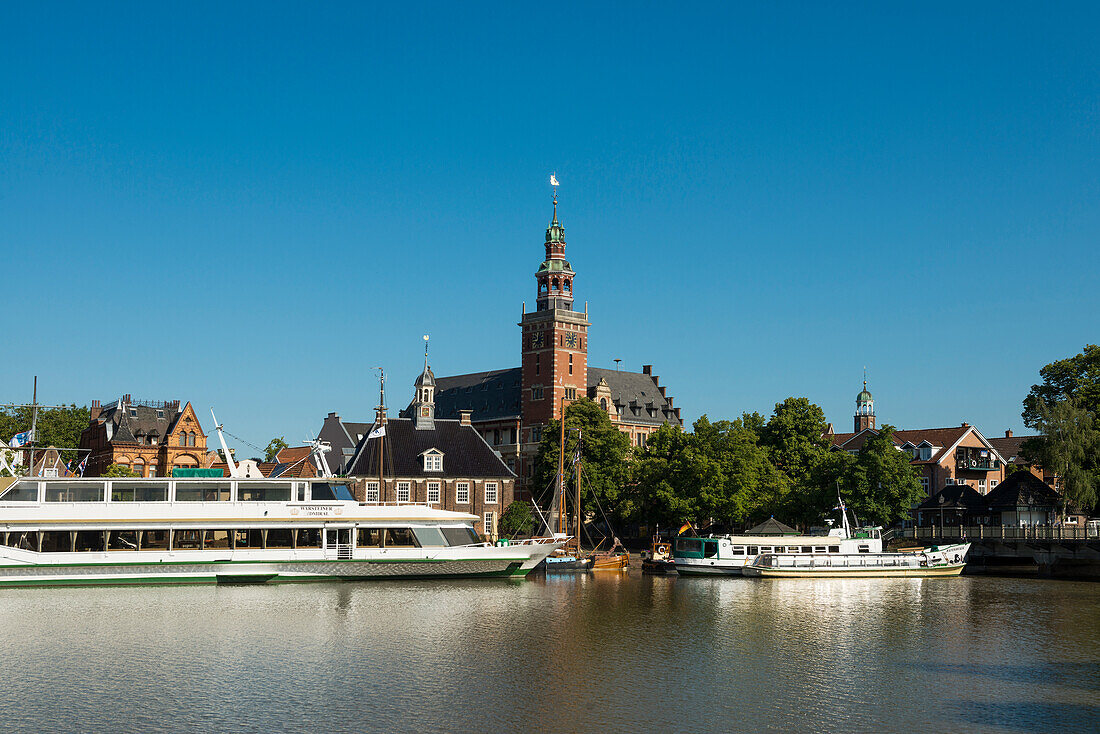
{"x":496,"y":395}
{"x":1021,"y":489}
{"x":955,"y":497}
{"x":635,"y":391}
{"x":126,"y":426}
{"x":1009,"y":448}
{"x":771,"y":526}
{"x":465,"y":453}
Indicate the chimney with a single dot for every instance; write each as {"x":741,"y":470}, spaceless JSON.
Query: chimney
{"x":1008,"y":433}
{"x":647,"y":369}
{"x":661,"y":389}
{"x":95,"y":410}
{"x":127,"y":399}
{"x":965,"y":424}
{"x":464,"y":417}
{"x":333,"y":415}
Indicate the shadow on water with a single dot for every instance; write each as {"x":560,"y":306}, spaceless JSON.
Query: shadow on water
{"x":1033,"y":716}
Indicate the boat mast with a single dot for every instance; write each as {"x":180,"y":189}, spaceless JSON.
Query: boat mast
{"x":382,"y":425}
{"x":561,"y":472}
{"x":578,"y":507}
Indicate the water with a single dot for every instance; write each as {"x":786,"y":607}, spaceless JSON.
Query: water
{"x":587,"y":653}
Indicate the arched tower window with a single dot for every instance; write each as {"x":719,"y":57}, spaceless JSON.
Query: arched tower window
{"x":603,"y":403}
{"x":567,"y":288}
{"x":183,"y":438}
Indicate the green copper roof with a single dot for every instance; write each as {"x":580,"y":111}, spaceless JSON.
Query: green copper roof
{"x":555,"y":266}
{"x":864,"y":397}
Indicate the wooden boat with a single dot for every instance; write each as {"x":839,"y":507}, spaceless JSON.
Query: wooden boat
{"x":659,"y":559}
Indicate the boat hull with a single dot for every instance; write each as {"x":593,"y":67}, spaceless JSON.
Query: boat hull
{"x":717,"y":569}
{"x":834,"y":573}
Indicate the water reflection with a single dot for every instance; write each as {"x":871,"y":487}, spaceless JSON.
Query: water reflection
{"x":585,"y":652}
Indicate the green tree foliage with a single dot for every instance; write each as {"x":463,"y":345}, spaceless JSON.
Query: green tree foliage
{"x":274,"y":446}
{"x":605,"y":450}
{"x":517,"y":519}
{"x":882,"y":486}
{"x":117,"y":470}
{"x":1076,"y":378}
{"x":60,"y":427}
{"x":1070,"y":447}
{"x":1065,"y":408}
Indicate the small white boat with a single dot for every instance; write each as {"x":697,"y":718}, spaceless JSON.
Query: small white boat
{"x":162,"y":530}
{"x":947,"y":560}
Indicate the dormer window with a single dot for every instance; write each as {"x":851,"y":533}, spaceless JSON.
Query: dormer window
{"x":133,"y":412}
{"x":433,"y":460}
{"x":160,"y":414}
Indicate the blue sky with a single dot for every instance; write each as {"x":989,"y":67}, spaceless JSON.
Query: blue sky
{"x":252,"y":206}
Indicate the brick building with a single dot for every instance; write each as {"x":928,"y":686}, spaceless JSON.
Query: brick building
{"x":150,"y":438}
{"x":511,"y":407}
{"x":940,"y":456}
{"x":442,"y":462}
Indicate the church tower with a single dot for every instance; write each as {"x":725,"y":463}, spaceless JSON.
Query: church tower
{"x":423,"y":403}
{"x":865,"y":409}
{"x":555,"y":340}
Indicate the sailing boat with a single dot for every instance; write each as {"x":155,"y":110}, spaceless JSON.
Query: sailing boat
{"x":614,"y":559}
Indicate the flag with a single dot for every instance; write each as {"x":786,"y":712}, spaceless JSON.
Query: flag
{"x":20,"y":439}
{"x":576,"y":456}
{"x":83,"y":463}
{"x":554,"y":180}
{"x":684,"y":528}
{"x":377,"y":433}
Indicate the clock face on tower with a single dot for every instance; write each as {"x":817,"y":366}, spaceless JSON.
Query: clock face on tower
{"x":537,"y":340}
{"x":571,"y":341}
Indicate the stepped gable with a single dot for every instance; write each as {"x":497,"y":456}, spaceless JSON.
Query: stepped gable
{"x":492,"y":395}
{"x":465,"y":453}
{"x":638,"y":394}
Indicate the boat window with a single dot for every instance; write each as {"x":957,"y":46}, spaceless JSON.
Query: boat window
{"x":463,"y":535}
{"x":819,"y":549}
{"x":90,"y":540}
{"x":834,"y":549}
{"x":689,"y":545}
{"x":56,"y":541}
{"x":370,"y":537}
{"x":263,"y":492}
{"x":202,"y":491}
{"x":738,"y":550}
{"x":216,"y":539}
{"x":26,"y":541}
{"x":248,"y":539}
{"x":186,"y":540}
{"x":280,"y":538}
{"x":710,"y":549}
{"x":865,"y":549}
{"x":154,"y":540}
{"x":139,"y":492}
{"x":429,"y":537}
{"x":21,"y":492}
{"x":400,"y":538}
{"x":807,"y":549}
{"x":74,"y":492}
{"x":322,"y":492}
{"x":309,"y":538}
{"x":754,"y":550}
{"x":792,"y":549}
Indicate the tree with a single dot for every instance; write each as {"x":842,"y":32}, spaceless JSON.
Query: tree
{"x":118,"y":470}
{"x":274,"y":446}
{"x":517,"y":519}
{"x":1076,"y":378}
{"x":1069,"y":445}
{"x":605,"y":451}
{"x":794,"y":438}
{"x":60,"y":427}
{"x":883,"y":486}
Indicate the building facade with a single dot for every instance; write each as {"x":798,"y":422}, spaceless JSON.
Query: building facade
{"x":442,"y":462}
{"x":149,"y":438}
{"x":939,"y":456}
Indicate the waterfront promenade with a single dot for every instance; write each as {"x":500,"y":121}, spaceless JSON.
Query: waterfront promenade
{"x":581,"y":653}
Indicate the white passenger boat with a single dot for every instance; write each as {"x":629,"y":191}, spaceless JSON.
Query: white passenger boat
{"x":945,"y":560}
{"x":728,"y":555}
{"x":163,"y":531}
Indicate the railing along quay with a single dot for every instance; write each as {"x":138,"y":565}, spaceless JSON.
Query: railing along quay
{"x":1002,"y":532}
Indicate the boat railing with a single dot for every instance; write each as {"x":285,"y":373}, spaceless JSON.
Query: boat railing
{"x":861,"y":560}
{"x":1001,"y":532}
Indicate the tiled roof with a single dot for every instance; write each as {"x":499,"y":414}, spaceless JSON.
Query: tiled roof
{"x":954,"y":497}
{"x":1009,"y":448}
{"x":637,"y":394}
{"x":465,"y":453}
{"x":130,"y":421}
{"x":291,"y":454}
{"x":941,"y":438}
{"x":1021,"y":489}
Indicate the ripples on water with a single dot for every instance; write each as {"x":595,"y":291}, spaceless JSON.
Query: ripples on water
{"x":601,"y":653}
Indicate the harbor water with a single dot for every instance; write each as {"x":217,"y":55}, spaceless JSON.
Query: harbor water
{"x":587,"y":653}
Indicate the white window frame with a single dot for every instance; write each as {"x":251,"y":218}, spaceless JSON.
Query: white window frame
{"x":433,"y":462}
{"x":993,"y":484}
{"x":371,"y":493}
{"x":489,"y":523}
{"x":462,"y":489}
{"x":494,"y":497}
{"x":435,"y":493}
{"x":404,"y":491}
{"x":981,"y":486}
{"x":924,"y":484}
